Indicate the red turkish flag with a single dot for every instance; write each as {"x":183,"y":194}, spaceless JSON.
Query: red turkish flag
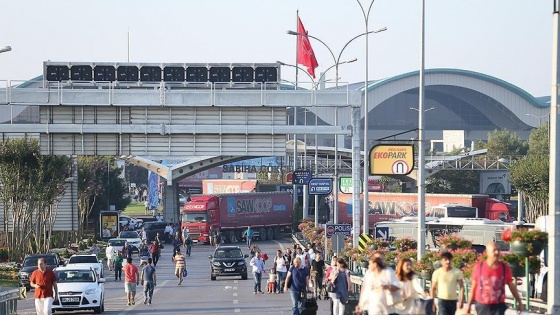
{"x":306,"y":56}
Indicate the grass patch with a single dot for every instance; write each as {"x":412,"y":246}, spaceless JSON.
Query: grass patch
{"x":135,"y":209}
{"x":8,"y":283}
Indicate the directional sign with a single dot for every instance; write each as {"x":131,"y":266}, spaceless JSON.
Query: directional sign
{"x":382,"y":232}
{"x":300,"y":177}
{"x":320,"y":186}
{"x":290,"y":189}
{"x":332,"y":229}
{"x":345,"y":184}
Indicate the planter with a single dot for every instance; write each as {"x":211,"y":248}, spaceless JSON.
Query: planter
{"x":538,"y":247}
{"x":517,"y":270}
{"x":519,"y":248}
{"x":426,"y":274}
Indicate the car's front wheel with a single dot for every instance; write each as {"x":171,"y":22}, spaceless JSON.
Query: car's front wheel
{"x":244,"y":276}
{"x":100,"y":308}
{"x":212,"y":277}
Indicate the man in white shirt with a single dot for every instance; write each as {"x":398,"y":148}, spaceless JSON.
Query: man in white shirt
{"x":168,"y":233}
{"x":143,"y":234}
{"x":303,"y":256}
{"x":110,"y":254}
{"x":310,"y":252}
{"x":258,"y":269}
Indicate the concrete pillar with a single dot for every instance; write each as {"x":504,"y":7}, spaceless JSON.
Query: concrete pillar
{"x":171,"y":203}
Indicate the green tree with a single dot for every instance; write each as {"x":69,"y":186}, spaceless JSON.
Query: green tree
{"x":453,"y":182}
{"x":530,"y":175}
{"x":32,"y":185}
{"x":503,"y":144}
{"x":538,"y":141}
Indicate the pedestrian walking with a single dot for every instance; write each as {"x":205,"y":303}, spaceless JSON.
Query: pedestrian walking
{"x":296,"y":283}
{"x":188,"y":245}
{"x":248,"y":234}
{"x":127,"y":250}
{"x":258,"y":269}
{"x":304,"y":257}
{"x":144,"y":234}
{"x":289,"y":257}
{"x":177,"y":243}
{"x":332,"y":268}
{"x":317,"y":274}
{"x":488,"y":281}
{"x":148,"y":277}
{"x":117,"y":265}
{"x":94,"y":249}
{"x":411,"y":289}
{"x":281,"y":265}
{"x":271,"y":283}
{"x":131,"y":280}
{"x":254,"y":249}
{"x":43,"y":281}
{"x":168,"y":233}
{"x":180,"y":265}
{"x":445,"y":281}
{"x":378,"y":283}
{"x":155,"y":250}
{"x":110,"y":255}
{"x":342,"y":286}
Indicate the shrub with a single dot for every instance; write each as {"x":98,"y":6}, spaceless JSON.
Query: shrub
{"x":405,"y":244}
{"x":454,"y":241}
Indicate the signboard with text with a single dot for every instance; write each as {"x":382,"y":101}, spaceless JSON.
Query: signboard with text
{"x":320,"y":186}
{"x":345,"y":185}
{"x":332,"y":229}
{"x":300,"y":177}
{"x":391,"y":159}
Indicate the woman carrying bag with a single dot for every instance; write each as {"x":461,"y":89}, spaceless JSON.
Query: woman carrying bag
{"x":411,"y":290}
{"x":342,"y":287}
{"x":380,"y":288}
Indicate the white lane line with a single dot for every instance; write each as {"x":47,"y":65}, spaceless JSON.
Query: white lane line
{"x":281,"y":246}
{"x":235,"y":294}
{"x":140,"y":298}
{"x":237,"y":310}
{"x":235,"y":301}
{"x":235,"y":288}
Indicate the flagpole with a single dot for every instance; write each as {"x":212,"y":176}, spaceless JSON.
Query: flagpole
{"x":295,"y":191}
{"x":297,"y":48}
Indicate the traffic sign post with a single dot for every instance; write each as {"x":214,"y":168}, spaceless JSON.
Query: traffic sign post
{"x":320,"y":186}
{"x":301,"y":177}
{"x":345,"y":185}
{"x":332,"y":229}
{"x":382,"y":232}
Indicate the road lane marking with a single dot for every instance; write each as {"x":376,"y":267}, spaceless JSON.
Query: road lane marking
{"x":235,"y":301}
{"x":235,"y":294}
{"x":237,"y":310}
{"x":281,"y":245}
{"x":141,"y":299}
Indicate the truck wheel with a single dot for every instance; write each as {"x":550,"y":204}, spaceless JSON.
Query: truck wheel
{"x":262,"y":234}
{"x":269,"y":234}
{"x":232,"y":238}
{"x":277,"y":233}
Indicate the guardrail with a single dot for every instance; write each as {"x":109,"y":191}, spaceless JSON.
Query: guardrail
{"x":8,"y":301}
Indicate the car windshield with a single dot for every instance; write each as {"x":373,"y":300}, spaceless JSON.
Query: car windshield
{"x":32,"y":261}
{"x":228,"y":253}
{"x":82,"y":260}
{"x":128,"y":234}
{"x":65,"y":276}
{"x":194,"y":217}
{"x":116,"y":242}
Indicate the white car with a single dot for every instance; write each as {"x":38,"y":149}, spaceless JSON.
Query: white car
{"x":133,"y":222}
{"x":79,"y":288}
{"x":132,"y":238}
{"x":86,"y":261}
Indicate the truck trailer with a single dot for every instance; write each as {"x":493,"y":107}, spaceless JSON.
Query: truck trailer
{"x":388,"y":206}
{"x":269,"y":214}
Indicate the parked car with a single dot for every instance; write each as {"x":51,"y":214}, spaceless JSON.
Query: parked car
{"x":228,"y":261}
{"x":132,"y":238}
{"x":154,"y":227}
{"x":87,"y":260}
{"x":79,"y":288}
{"x":30,"y":264}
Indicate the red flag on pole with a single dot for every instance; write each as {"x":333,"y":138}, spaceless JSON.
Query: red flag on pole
{"x":306,"y":56}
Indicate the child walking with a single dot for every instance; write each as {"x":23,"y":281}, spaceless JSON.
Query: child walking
{"x":271,"y":285}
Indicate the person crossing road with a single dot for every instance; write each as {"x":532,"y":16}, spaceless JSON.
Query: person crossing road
{"x":249,"y":236}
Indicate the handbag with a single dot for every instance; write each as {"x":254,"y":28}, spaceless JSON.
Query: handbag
{"x":185,"y":273}
{"x":330,"y":287}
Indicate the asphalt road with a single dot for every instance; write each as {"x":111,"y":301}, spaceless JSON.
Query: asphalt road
{"x":198,"y":294}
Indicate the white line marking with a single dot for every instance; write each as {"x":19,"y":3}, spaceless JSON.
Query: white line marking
{"x":281,"y":246}
{"x":235,"y":301}
{"x":235,"y":294}
{"x":237,"y":310}
{"x":140,"y":298}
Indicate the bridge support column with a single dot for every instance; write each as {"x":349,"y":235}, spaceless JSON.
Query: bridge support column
{"x":171,"y":203}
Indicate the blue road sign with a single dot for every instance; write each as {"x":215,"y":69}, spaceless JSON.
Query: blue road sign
{"x":290,"y":189}
{"x":332,"y":229}
{"x":320,"y":186}
{"x":300,"y":177}
{"x":382,"y":232}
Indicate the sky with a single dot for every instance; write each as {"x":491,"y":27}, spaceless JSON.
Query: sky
{"x":510,"y":40}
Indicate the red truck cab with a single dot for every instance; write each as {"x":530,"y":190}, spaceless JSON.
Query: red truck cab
{"x":197,"y":217}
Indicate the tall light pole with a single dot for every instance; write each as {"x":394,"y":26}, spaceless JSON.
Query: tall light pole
{"x":355,"y":151}
{"x":421,"y":178}
{"x":5,"y":49}
{"x":538,"y":117}
{"x":366,"y":123}
{"x":554,"y":175}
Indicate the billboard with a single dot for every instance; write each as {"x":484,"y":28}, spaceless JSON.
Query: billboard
{"x":391,"y":159}
{"x":109,"y":224}
{"x":494,"y":183}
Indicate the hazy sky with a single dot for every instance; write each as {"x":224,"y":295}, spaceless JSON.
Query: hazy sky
{"x":510,"y":40}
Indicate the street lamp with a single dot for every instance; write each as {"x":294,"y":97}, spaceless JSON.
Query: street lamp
{"x":538,"y":117}
{"x":316,"y":83}
{"x":5,"y":49}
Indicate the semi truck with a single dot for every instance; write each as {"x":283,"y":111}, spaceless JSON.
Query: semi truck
{"x":228,"y":186}
{"x":387,"y":206}
{"x":269,"y":214}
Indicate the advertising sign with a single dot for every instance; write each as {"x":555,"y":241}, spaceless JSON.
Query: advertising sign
{"x":391,"y":159}
{"x":109,"y":224}
{"x":320,"y":186}
{"x":495,"y":183}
